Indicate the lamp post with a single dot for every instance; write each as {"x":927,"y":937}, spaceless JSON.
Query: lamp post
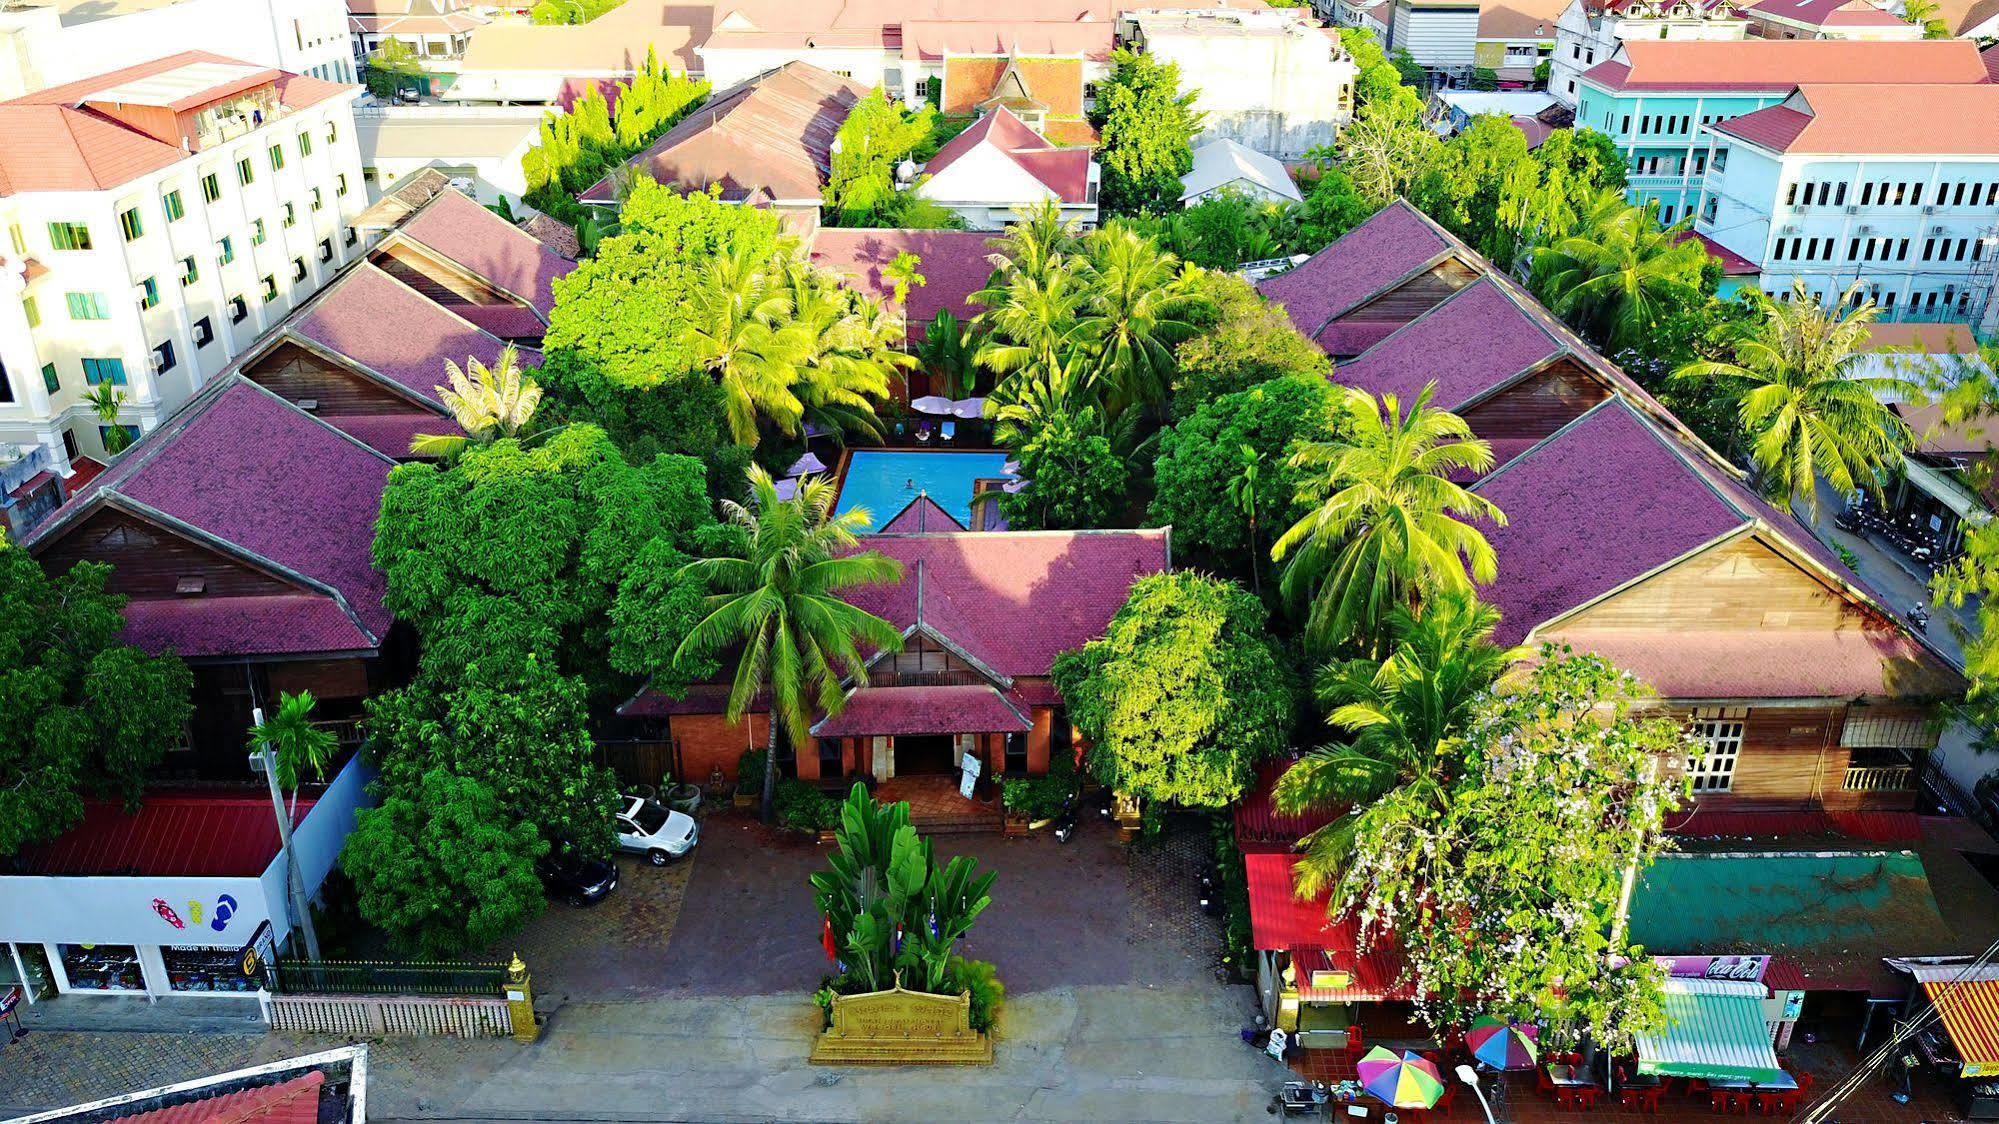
{"x":1469,"y":1076}
{"x":262,"y":762}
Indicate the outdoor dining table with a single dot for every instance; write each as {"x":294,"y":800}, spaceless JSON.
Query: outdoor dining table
{"x":1570,"y":1076}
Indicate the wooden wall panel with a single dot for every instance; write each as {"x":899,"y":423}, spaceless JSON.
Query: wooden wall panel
{"x":1539,"y":404}
{"x":148,"y":561}
{"x":1789,"y":755}
{"x":1415,"y":296}
{"x":296,"y":374}
{"x":435,"y":279}
{"x":1739,"y":584}
{"x":326,"y":679}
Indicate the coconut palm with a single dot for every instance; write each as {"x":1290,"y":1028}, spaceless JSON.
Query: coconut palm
{"x":779,"y":605}
{"x":949,"y":352}
{"x":1029,"y":322}
{"x":1388,"y":524}
{"x":1023,"y":407}
{"x":744,"y":333}
{"x":1242,"y":493}
{"x":855,"y":352}
{"x":488,"y":403}
{"x":297,"y":745}
{"x":1139,"y":303}
{"x":1619,"y":273}
{"x":1805,"y":407}
{"x":1404,"y":716}
{"x":1037,"y":246}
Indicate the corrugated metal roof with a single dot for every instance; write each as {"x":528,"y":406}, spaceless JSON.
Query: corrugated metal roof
{"x":1970,"y":1011}
{"x":1714,"y":1028}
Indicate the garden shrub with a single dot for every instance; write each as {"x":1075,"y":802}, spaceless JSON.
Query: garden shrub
{"x":802,"y":807}
{"x":1039,"y":798}
{"x":1238,"y":943}
{"x":981,"y":979}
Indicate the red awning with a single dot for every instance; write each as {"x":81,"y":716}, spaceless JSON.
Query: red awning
{"x":225,"y":833}
{"x":915,"y":711}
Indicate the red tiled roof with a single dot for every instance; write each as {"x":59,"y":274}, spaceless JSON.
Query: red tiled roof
{"x":1392,"y":244}
{"x":1779,"y":64}
{"x":1732,"y":263}
{"x":394,"y":331}
{"x":288,"y":1102}
{"x":1989,"y":58}
{"x":772,"y":133}
{"x":921,"y":516}
{"x":1258,"y":823}
{"x":935,"y":38}
{"x":491,"y":247}
{"x":916,"y":711}
{"x":1535,"y":130}
{"x":212,"y":834}
{"x":1901,"y":120}
{"x":1705,"y":821}
{"x":954,"y":264}
{"x":1063,"y":171}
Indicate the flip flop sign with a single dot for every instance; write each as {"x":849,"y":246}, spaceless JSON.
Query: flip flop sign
{"x":225,"y":908}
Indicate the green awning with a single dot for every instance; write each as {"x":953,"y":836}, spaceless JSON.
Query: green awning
{"x":1714,"y":1028}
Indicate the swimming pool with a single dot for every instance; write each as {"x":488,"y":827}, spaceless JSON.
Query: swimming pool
{"x":885,"y":480}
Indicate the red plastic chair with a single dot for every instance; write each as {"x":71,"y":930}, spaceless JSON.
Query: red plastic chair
{"x":1649,"y":1100}
{"x":1450,"y":1095}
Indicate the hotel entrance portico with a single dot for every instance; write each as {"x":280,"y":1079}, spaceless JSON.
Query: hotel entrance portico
{"x":889,"y":732}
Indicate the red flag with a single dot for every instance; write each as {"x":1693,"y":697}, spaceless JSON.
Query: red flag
{"x":826,"y":940}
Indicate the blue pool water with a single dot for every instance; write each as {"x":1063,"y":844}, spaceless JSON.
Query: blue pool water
{"x":884,"y":481}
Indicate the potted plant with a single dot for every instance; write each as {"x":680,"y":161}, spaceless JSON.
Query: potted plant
{"x":749,"y":776}
{"x":679,"y":797}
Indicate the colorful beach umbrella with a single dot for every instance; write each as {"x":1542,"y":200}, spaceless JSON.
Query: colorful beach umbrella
{"x":1410,"y":1081}
{"x":1503,"y":1045}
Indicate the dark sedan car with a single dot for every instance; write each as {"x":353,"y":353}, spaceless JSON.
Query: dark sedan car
{"x":577,"y":880}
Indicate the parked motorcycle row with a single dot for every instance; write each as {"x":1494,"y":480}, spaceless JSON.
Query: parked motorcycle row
{"x":1906,"y":532}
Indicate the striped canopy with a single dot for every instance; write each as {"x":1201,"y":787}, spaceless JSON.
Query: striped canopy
{"x":1714,"y":1028}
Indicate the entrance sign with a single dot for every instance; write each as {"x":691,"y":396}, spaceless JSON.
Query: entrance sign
{"x":902,"y":1027}
{"x":970,"y":777}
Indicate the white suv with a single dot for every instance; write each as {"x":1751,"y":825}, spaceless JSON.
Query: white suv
{"x":660,"y":834}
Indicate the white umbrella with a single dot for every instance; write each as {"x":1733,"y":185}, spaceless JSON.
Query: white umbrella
{"x":807,"y":463}
{"x":786,"y":489}
{"x":1011,"y":468}
{"x":933,"y":404}
{"x":1014,"y":487}
{"x":969,"y":408}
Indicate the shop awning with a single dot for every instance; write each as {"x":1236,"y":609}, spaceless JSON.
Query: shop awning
{"x":915,"y":711}
{"x":1968,"y":1001}
{"x":1944,"y":489}
{"x":1714,"y":1028}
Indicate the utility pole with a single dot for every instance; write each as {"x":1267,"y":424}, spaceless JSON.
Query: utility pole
{"x":262,"y":762}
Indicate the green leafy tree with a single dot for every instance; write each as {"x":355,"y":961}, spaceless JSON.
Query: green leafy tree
{"x":1385,"y":149}
{"x":83,"y":711}
{"x":1502,"y":887}
{"x":1546,"y":198}
{"x":778,"y":606}
{"x":1147,"y":127}
{"x":442,"y":868}
{"x":1387,"y":521}
{"x":1076,"y":478}
{"x":1242,"y":342}
{"x":1805,"y":408}
{"x":877,"y":135}
{"x":1225,"y":229}
{"x":743,"y":332}
{"x":949,"y":351}
{"x":1140,"y":305}
{"x":856,"y":351}
{"x":1333,"y":206}
{"x":1928,"y":15}
{"x":1464,"y":183}
{"x":394,"y":66}
{"x":1378,"y":80}
{"x":1200,"y":488}
{"x":902,"y":272}
{"x":1184,"y":693}
{"x":579,"y":147}
{"x":107,"y":402}
{"x":1620,"y":274}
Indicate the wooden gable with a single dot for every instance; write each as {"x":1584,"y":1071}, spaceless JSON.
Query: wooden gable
{"x":299,"y":374}
{"x":923,"y":662}
{"x":1539,"y":404}
{"x":442,"y":282}
{"x":1739,"y":584}
{"x":151,"y":561}
{"x":1409,"y":299}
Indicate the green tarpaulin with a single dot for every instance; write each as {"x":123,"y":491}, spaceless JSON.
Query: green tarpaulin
{"x":1714,"y":1028}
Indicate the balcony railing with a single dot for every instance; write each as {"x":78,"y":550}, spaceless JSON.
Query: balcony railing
{"x":1880,"y":778}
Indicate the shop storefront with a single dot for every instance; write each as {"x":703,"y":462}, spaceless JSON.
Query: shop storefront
{"x":1961,"y":1046}
{"x":183,"y":898}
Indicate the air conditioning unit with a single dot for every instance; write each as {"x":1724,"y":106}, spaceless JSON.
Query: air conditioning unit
{"x":1929,"y":210}
{"x":1863,"y":230}
{"x":1788,"y":228}
{"x":1851,"y":210}
{"x":1936,"y":229}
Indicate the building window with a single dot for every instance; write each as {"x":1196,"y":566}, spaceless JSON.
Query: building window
{"x":225,"y":251}
{"x":69,"y":236}
{"x":163,"y":357}
{"x":32,"y":311}
{"x":19,"y":240}
{"x":97,"y":371}
{"x":128,"y":221}
{"x":211,"y":188}
{"x":277,"y":157}
{"x":6,"y":385}
{"x":332,"y":132}
{"x":245,"y":174}
{"x":317,"y":199}
{"x":104,"y":435}
{"x":291,"y":214}
{"x":1720,"y":729}
{"x":348,"y":237}
{"x":149,"y":294}
{"x":340,"y":184}
{"x":326,"y":249}
{"x":204,"y":332}
{"x":830,"y":761}
{"x":1015,"y":763}
{"x":239,"y":310}
{"x":188,"y":273}
{"x":171,"y":202}
{"x":87,"y":306}
{"x":257,"y":232}
{"x":51,"y":381}
{"x":305,"y":144}
{"x":270,"y":288}
{"x":298,"y":269}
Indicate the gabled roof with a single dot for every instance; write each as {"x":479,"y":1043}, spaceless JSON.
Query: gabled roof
{"x":1394,"y":244}
{"x":954,"y":264}
{"x":243,"y":472}
{"x":1822,"y":13}
{"x":392,"y":333}
{"x":489,"y":247}
{"x":935,"y":38}
{"x":1519,"y":21}
{"x":920,"y":516}
{"x":1065,"y":172}
{"x":614,"y":43}
{"x":1477,"y":340}
{"x":1220,"y":162}
{"x":295,"y":1101}
{"x":1777,"y":65}
{"x":1896,"y":120}
{"x":772,"y":133}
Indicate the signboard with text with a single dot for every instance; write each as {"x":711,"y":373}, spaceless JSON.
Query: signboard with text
{"x":1746,"y":968}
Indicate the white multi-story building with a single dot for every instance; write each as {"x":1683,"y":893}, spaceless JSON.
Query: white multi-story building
{"x":1589,"y":32}
{"x":1274,"y":81}
{"x":1895,"y":188}
{"x":157,"y":220}
{"x":54,"y":42}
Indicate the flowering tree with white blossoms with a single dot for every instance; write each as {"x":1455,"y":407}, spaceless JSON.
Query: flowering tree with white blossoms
{"x":1504,"y":897}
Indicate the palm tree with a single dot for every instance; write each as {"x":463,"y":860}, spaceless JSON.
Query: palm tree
{"x":744,"y":334}
{"x":779,"y":603}
{"x":107,"y":402}
{"x":1405,"y":716}
{"x":901,"y":273}
{"x":1037,"y":246}
{"x":297,"y":745}
{"x":948,"y":351}
{"x":488,"y":403}
{"x":1388,"y":523}
{"x":1805,"y":408}
{"x":1619,"y":273}
{"x":854,"y":353}
{"x":1029,"y":321}
{"x":1136,"y":311}
{"x":1242,"y":492}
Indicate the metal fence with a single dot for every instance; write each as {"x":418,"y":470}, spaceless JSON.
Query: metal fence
{"x":385,"y":977}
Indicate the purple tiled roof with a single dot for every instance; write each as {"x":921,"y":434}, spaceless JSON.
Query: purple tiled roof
{"x":395,"y":331}
{"x":1392,"y":244}
{"x":954,"y":265}
{"x":919,"y":516}
{"x":915,"y":711}
{"x":390,"y":434}
{"x":507,"y":321}
{"x":1597,"y":505}
{"x":489,"y":246}
{"x":1476,"y":340}
{"x":244,"y":626}
{"x":1351,"y":337}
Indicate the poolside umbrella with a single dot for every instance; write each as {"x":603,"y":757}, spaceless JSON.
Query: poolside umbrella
{"x":805,"y":464}
{"x":1503,"y":1045}
{"x":1409,"y":1081}
{"x":1011,"y":468}
{"x":786,"y":488}
{"x":969,"y":408}
{"x":1014,"y":487}
{"x":933,"y":404}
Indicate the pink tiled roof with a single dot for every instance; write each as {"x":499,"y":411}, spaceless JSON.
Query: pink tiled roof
{"x":1392,"y":244}
{"x":933,"y":39}
{"x":390,"y":434}
{"x":395,"y":331}
{"x":217,"y":834}
{"x":1780,"y":64}
{"x":507,"y":321}
{"x":1477,"y":339}
{"x":1765,"y":663}
{"x":954,"y":264}
{"x":491,"y":247}
{"x":1063,"y":171}
{"x":1823,"y":12}
{"x":1732,"y":263}
{"x":921,"y":516}
{"x":1773,"y":127}
{"x":1013,"y":600}
{"x":1901,"y":120}
{"x":288,"y":1102}
{"x":913,"y":711}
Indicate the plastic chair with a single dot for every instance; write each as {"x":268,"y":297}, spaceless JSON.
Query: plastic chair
{"x":1586,"y":1097}
{"x":947,"y":431}
{"x":1649,"y":1100}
